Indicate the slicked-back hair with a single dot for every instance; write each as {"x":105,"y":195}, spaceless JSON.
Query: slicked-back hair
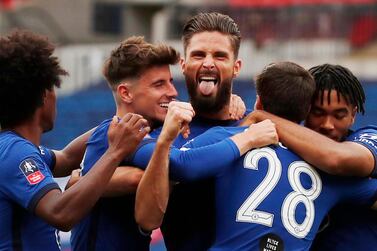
{"x":286,"y":89}
{"x":212,"y":21}
{"x":133,"y":57}
{"x":27,"y":70}
{"x":340,"y":79}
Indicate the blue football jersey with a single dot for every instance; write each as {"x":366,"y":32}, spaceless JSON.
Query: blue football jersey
{"x":25,"y":179}
{"x":48,"y":157}
{"x":351,"y":227}
{"x":270,"y":199}
{"x":195,"y":200}
{"x":111,"y":224}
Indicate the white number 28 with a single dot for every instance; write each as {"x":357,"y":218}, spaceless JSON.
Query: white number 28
{"x":248,"y":213}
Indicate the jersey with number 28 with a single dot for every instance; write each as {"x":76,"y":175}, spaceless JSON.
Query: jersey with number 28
{"x":271,"y":199}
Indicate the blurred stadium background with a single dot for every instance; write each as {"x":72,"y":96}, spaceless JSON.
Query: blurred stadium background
{"x":308,"y":32}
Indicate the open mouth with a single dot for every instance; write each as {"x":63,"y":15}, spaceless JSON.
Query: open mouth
{"x":165,"y":105}
{"x":207,"y":84}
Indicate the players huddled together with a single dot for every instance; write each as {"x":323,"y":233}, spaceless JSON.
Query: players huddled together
{"x":289,"y":175}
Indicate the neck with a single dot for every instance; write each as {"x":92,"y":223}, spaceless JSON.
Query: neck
{"x":123,"y":110}
{"x":29,"y":131}
{"x":222,"y":114}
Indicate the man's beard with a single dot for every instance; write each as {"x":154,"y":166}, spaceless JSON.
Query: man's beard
{"x":209,"y":104}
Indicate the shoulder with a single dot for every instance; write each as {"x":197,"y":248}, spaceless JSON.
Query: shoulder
{"x":100,"y":131}
{"x":229,"y":130}
{"x":370,"y":129}
{"x":365,"y":135}
{"x":155,"y":132}
{"x":16,"y":148}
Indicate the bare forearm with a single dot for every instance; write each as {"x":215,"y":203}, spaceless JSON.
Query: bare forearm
{"x":242,"y":143}
{"x":125,"y":180}
{"x":70,"y":157}
{"x":153,"y":191}
{"x":63,"y":210}
{"x":257,"y":135}
{"x":340,"y":158}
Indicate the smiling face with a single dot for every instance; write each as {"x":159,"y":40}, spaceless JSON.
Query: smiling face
{"x":152,"y":92}
{"x":332,"y":119}
{"x":209,"y":68}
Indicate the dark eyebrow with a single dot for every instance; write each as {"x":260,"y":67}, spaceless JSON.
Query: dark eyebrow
{"x":157,"y":81}
{"x":161,"y":81}
{"x":221,"y":54}
{"x":344,"y":110}
{"x":197,"y":52}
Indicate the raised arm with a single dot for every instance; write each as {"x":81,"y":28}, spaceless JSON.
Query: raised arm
{"x":338,"y":158}
{"x":63,"y":210}
{"x":215,"y":150}
{"x":153,"y":191}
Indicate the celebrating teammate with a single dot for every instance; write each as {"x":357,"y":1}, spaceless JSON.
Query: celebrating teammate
{"x":31,"y":203}
{"x":211,"y":42}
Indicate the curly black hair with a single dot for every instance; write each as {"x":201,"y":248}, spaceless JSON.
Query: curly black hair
{"x":27,"y":70}
{"x":341,"y":79}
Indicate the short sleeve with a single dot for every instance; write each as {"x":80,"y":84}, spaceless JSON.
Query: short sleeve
{"x":26,"y":178}
{"x":48,"y":156}
{"x":367,"y":137}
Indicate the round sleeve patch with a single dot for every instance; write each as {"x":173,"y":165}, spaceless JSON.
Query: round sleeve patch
{"x":271,"y":242}
{"x":31,"y":171}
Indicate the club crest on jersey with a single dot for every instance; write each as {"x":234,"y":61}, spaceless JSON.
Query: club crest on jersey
{"x":368,"y":138}
{"x":31,"y":171}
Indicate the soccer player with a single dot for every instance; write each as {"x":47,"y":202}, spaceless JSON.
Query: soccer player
{"x":339,"y":96}
{"x":31,"y":203}
{"x":139,"y":76}
{"x":269,"y":199}
{"x":211,"y":43}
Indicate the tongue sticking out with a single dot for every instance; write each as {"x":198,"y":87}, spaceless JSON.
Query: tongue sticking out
{"x":206,"y":87}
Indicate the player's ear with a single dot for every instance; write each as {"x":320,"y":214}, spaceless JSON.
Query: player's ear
{"x":258,"y":103}
{"x":46,"y":95}
{"x":353,"y":114}
{"x":183,"y":64}
{"x":124,"y":92}
{"x":237,"y":67}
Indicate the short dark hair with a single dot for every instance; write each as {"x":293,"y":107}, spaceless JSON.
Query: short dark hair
{"x":212,"y":21}
{"x":341,"y":79}
{"x":133,"y":57}
{"x":27,"y":70}
{"x":286,"y":90}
